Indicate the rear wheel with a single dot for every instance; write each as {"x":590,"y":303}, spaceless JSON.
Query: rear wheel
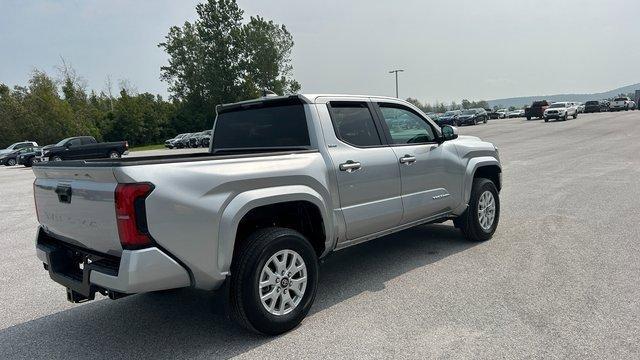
{"x":57,"y":158}
{"x":480,"y":220}
{"x":273,"y":281}
{"x":114,"y":154}
{"x":575,"y":116}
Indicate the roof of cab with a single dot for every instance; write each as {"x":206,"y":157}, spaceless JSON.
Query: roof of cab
{"x":305,"y":98}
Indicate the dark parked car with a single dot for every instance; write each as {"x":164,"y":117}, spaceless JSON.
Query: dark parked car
{"x":494,"y":114}
{"x":594,"y":106}
{"x":28,"y":158}
{"x":11,"y":158}
{"x":171,"y":143}
{"x":449,"y":118}
{"x":182,"y":142}
{"x":536,"y":110}
{"x":195,"y":141}
{"x":84,"y":147}
{"x":472,"y":117}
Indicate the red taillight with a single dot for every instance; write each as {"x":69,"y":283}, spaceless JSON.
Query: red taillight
{"x":131,"y":215}
{"x":126,"y":145}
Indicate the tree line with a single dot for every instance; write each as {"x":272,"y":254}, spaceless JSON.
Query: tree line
{"x":221,"y":57}
{"x":440,"y":107}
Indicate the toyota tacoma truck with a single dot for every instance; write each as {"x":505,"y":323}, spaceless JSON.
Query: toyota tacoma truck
{"x":287,"y":181}
{"x":561,"y":111}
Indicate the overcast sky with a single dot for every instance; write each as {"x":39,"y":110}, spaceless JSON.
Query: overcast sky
{"x":450,"y":50}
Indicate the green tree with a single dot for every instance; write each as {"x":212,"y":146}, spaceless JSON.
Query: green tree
{"x":217,"y":59}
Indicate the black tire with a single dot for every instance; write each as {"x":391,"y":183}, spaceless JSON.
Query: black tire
{"x":11,"y":162}
{"x":29,"y":163}
{"x":546,"y":120}
{"x":528,"y":118}
{"x":57,"y":158}
{"x":257,"y":249}
{"x":566,"y":116}
{"x":114,"y":155}
{"x":575,"y":116}
{"x":469,"y":221}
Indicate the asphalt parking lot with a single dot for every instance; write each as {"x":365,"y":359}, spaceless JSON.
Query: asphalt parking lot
{"x":560,"y":279}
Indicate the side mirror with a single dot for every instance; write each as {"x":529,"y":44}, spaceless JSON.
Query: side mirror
{"x":449,"y":132}
{"x":67,"y":145}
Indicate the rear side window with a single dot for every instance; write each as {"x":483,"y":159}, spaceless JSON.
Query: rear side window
{"x":271,"y":126}
{"x":354,"y":124}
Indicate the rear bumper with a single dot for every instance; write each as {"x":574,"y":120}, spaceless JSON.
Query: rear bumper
{"x":84,"y":273}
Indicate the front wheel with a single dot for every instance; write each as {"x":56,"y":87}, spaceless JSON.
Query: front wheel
{"x":57,"y":158}
{"x":11,"y":162}
{"x":480,"y":220}
{"x":114,"y":154}
{"x":273,"y":281}
{"x":575,"y":116}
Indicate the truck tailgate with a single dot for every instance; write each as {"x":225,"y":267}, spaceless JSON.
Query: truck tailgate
{"x":76,"y":205}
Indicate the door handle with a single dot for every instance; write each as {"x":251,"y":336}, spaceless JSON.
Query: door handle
{"x":350,"y":166}
{"x":407,"y":159}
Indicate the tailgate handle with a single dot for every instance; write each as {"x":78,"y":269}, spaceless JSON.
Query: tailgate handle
{"x":64,"y":193}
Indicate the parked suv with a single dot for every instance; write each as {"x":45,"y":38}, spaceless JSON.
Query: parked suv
{"x":18,"y":146}
{"x":620,"y":103}
{"x":288,"y":180}
{"x":593,"y":106}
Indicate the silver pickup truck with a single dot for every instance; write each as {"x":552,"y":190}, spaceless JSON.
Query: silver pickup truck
{"x":286,"y":181}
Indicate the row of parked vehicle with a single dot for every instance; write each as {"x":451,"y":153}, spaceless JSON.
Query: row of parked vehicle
{"x":473,"y":116}
{"x":544,"y":110}
{"x":189,"y":140}
{"x":28,"y":153}
{"x":538,"y":109}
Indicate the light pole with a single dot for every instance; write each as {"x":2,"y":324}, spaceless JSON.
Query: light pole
{"x":396,"y":71}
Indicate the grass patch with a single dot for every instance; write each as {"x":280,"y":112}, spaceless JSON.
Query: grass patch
{"x":147,"y":147}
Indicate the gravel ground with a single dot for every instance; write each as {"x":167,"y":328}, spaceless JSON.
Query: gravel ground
{"x":560,"y":278}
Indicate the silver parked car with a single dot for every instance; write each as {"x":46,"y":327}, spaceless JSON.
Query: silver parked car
{"x":287,"y":181}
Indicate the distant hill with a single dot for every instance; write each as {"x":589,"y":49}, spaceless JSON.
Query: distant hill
{"x":527,"y":100}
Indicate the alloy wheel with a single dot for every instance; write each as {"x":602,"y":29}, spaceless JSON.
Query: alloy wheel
{"x":486,"y":210}
{"x":282,"y":282}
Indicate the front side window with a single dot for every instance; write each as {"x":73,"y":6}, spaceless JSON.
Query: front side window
{"x":74,"y":142}
{"x":405,"y":126}
{"x":354,"y":124}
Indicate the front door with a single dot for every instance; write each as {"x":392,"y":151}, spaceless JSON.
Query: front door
{"x":366,"y":168}
{"x":426,"y":182}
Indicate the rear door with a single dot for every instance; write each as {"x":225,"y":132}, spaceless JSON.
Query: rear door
{"x":367,"y":169}
{"x":426,"y":183}
{"x":90,"y":148}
